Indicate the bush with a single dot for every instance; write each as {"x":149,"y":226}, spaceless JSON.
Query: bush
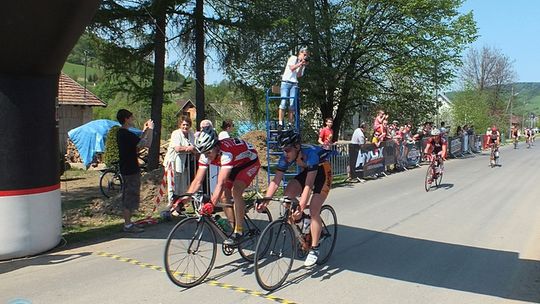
{"x":111,"y":147}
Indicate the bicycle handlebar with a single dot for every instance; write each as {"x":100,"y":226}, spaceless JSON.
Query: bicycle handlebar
{"x":284,"y":200}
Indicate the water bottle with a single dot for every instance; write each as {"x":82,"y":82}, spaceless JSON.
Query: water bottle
{"x":223,"y":223}
{"x":306,"y":223}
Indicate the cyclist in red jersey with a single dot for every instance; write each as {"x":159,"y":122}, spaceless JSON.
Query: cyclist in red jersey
{"x":239,"y":165}
{"x":437,"y":145}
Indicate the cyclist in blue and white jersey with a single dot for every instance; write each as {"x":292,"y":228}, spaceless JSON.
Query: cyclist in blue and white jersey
{"x":312,"y":184}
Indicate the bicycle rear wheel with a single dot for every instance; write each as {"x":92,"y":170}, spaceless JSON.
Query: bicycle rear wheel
{"x":327,"y":241}
{"x":429,"y":177}
{"x":274,"y":255}
{"x":254,"y":224}
{"x":110,"y":183}
{"x":190,"y":252}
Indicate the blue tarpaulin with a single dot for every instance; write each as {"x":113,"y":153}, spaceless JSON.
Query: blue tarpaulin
{"x":90,"y":138}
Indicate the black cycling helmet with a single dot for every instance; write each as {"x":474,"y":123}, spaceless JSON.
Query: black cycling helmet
{"x":206,"y":140}
{"x":287,"y":138}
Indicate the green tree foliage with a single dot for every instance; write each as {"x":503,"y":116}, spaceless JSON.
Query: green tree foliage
{"x":111,"y":154}
{"x":472,"y":107}
{"x":357,"y":48}
{"x":134,"y":53}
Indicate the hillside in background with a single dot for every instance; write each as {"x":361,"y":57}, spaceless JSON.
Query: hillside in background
{"x":527,"y":99}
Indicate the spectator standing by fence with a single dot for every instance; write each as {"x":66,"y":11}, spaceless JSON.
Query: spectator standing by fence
{"x":226,"y":128}
{"x":358,"y":136}
{"x":470,"y":134}
{"x":179,"y":158}
{"x":326,"y":134}
{"x":465,"y":139}
{"x":204,"y":123}
{"x":128,"y":148}
{"x":459,"y":131}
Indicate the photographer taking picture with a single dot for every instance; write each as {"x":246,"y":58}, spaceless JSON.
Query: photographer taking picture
{"x":289,"y":85}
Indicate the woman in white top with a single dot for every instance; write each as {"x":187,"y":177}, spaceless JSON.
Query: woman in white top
{"x":227,"y":127}
{"x":179,"y":157}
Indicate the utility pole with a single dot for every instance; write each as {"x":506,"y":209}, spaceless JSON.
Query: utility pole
{"x":510,"y":128}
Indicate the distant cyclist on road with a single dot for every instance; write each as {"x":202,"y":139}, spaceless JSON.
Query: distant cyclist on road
{"x":239,"y":165}
{"x":436,"y":145}
{"x":528,"y":136}
{"x":515,"y":135}
{"x":494,"y":137}
{"x":312,"y":184}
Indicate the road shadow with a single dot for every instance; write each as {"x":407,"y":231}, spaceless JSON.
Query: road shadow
{"x":443,"y":186}
{"x":427,"y":262}
{"x":39,"y":260}
{"x":453,"y":266}
{"x":464,"y":268}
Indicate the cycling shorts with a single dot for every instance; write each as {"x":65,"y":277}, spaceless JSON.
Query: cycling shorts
{"x":323,"y":180}
{"x":244,"y":173}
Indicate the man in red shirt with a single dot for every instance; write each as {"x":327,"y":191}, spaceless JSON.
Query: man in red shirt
{"x":239,"y":164}
{"x":326,"y":134}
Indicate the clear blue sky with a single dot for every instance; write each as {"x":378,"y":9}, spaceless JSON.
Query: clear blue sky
{"x":512,"y":27}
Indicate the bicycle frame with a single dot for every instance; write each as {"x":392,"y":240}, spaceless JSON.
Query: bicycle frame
{"x":436,"y":161}
{"x":196,"y":202}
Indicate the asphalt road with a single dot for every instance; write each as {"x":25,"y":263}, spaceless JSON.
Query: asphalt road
{"x":476,"y":239}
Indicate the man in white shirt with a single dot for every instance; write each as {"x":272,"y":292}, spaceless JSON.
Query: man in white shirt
{"x":289,"y":85}
{"x":358,"y":136}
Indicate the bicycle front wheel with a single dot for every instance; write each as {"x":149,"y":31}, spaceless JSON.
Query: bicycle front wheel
{"x":429,"y":177}
{"x":110,"y":183}
{"x":438,"y":180}
{"x":274,"y":255}
{"x":190,"y":252}
{"x":327,"y":241}
{"x":254,"y":224}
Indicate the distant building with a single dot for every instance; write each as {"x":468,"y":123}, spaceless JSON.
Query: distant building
{"x":74,"y":107}
{"x":187,"y":108}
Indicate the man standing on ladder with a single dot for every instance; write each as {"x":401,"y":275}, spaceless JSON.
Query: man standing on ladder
{"x":289,"y":85}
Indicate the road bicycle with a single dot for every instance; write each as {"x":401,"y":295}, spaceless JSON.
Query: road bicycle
{"x":111,"y":182}
{"x":515,"y":142}
{"x":283,"y":239}
{"x":494,"y":156}
{"x":434,"y":172}
{"x":191,"y":247}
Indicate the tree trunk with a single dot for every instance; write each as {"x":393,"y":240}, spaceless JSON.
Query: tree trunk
{"x":199,"y":61}
{"x":157,"y":83}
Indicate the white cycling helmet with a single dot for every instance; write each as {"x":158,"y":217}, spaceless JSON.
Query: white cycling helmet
{"x":435,"y":132}
{"x":206,"y":140}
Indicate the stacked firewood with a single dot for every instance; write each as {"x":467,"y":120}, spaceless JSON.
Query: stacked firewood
{"x":72,"y":154}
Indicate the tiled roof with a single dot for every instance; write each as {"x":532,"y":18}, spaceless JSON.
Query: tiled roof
{"x":72,"y":93}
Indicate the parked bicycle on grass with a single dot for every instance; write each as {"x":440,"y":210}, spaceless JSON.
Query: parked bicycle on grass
{"x":111,"y":182}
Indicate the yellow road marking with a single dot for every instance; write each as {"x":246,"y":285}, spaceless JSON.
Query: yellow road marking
{"x":209,"y":282}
